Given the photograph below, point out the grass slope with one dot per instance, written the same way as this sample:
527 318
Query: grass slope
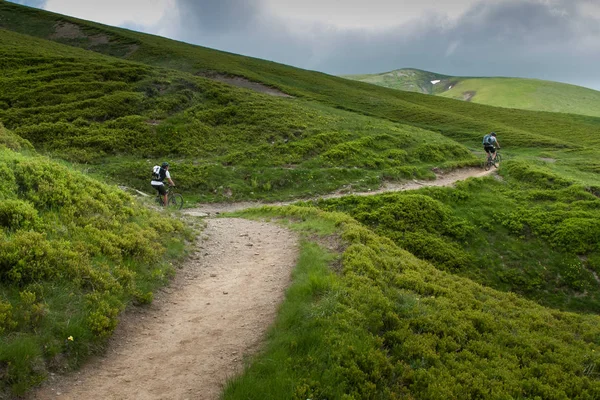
519 93
528 94
73 253
122 117
456 119
382 324
374 322
534 233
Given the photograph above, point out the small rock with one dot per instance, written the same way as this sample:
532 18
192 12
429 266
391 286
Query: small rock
225 292
213 275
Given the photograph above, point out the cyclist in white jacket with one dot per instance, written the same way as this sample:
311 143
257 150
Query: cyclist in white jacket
159 174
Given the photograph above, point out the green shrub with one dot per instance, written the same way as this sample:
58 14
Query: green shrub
420 224
17 214
534 175
27 257
6 319
440 251
429 153
577 235
104 310
12 141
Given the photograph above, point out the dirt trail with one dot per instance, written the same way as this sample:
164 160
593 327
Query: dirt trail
193 337
195 334
442 179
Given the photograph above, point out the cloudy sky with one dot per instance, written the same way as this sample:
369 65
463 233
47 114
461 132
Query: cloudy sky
546 39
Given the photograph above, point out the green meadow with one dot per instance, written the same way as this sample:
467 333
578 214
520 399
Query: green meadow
489 289
517 93
528 94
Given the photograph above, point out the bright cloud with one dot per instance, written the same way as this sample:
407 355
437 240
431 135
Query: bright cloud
372 14
113 12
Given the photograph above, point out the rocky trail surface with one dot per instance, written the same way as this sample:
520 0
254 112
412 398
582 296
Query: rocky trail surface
217 309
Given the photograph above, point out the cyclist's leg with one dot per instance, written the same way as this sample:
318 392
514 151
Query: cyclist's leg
489 151
158 194
162 192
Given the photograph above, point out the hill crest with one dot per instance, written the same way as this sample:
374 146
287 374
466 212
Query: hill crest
507 92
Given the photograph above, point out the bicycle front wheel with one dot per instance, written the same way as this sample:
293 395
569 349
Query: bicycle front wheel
176 201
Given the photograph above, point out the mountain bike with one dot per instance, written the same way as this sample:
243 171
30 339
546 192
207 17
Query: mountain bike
174 200
492 160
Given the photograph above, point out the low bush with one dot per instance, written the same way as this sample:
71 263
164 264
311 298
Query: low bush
420 224
17 214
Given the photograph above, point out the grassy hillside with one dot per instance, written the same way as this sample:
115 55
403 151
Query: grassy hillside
519 93
456 119
374 322
123 117
463 122
379 322
527 94
73 253
533 233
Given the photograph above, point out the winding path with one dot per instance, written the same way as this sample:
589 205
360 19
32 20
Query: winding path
216 311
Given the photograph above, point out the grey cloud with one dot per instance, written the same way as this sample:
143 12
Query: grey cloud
215 17
240 26
526 38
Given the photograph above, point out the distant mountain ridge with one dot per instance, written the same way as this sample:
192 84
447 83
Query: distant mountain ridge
408 79
521 93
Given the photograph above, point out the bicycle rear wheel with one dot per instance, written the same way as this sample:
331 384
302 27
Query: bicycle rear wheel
488 164
176 201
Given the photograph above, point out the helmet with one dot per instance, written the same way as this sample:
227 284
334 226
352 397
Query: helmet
493 134
165 164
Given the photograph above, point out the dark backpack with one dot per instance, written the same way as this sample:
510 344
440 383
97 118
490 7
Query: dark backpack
158 173
488 140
